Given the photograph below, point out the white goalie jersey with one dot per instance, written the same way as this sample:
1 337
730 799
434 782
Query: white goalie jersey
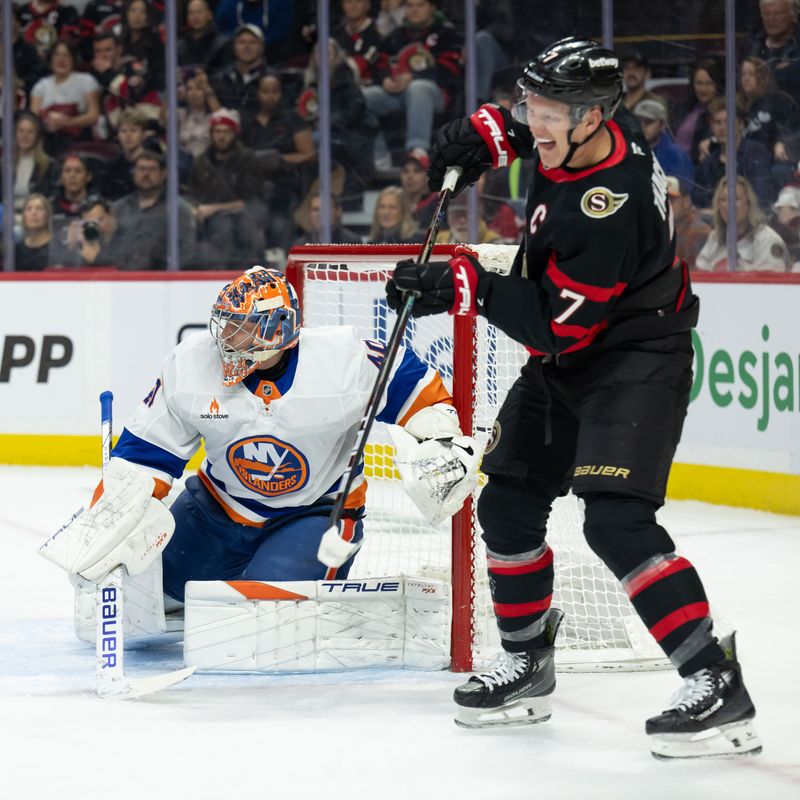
272 446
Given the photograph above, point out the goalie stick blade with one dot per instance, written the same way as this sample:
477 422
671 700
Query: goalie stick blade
140 687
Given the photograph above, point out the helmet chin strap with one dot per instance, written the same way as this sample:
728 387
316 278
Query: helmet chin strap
573 146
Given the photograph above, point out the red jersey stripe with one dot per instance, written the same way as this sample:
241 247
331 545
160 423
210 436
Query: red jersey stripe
685 273
577 331
597 294
522 609
655 573
681 616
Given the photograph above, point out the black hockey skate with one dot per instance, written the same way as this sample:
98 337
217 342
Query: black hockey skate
517 692
709 716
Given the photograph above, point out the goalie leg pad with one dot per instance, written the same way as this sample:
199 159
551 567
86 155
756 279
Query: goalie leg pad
144 622
314 626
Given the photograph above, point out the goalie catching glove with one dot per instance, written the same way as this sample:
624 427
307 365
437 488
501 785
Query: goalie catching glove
458 286
438 465
127 525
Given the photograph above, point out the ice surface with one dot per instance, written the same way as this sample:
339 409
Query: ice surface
372 734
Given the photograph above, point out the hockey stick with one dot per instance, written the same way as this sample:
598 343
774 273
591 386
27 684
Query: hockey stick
333 550
109 636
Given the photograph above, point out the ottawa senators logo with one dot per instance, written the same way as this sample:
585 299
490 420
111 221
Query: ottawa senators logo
601 202
268 466
494 438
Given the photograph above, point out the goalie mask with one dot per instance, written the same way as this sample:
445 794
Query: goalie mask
255 316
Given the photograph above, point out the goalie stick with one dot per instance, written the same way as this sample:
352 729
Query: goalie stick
111 680
333 550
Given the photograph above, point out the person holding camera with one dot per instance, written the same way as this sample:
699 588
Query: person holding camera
90 241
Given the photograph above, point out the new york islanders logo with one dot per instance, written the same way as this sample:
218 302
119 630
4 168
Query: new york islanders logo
601 202
268 466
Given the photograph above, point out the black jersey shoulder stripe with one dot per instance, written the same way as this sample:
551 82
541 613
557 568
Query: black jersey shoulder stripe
617 155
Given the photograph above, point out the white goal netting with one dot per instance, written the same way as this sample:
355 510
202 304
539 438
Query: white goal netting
344 286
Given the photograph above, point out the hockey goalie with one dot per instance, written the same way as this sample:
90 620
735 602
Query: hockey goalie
277 407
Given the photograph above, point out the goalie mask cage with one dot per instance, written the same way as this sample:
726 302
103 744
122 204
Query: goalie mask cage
344 285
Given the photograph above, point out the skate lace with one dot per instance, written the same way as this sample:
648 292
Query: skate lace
695 689
511 668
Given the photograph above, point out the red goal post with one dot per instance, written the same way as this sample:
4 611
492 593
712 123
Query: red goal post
382 259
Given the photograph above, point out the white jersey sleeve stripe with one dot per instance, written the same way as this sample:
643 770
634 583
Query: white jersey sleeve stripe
408 381
429 391
155 460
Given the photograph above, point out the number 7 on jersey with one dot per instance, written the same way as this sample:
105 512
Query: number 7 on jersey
577 302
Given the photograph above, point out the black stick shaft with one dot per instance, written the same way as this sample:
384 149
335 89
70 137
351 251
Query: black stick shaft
365 426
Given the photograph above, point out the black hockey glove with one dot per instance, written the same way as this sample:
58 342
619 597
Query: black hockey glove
458 286
488 139
458 144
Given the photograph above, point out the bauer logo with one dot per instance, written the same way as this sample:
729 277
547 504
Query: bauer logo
109 625
268 466
213 411
601 202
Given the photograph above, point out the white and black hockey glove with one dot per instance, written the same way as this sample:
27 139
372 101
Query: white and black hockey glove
459 286
438 465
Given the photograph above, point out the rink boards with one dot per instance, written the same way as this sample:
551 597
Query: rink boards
64 339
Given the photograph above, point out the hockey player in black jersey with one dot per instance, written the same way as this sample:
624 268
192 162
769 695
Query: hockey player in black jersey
606 312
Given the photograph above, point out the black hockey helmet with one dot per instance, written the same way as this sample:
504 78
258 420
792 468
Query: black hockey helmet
578 72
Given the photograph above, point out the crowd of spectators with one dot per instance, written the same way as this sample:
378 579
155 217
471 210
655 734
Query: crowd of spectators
89 184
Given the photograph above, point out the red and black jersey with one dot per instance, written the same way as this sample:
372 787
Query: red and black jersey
101 16
431 53
44 23
598 255
365 49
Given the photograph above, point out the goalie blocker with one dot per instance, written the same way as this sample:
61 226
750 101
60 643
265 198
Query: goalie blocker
314 626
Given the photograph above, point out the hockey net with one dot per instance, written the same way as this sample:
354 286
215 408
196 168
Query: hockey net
344 285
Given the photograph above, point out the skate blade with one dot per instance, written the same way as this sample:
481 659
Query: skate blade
527 711
736 738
